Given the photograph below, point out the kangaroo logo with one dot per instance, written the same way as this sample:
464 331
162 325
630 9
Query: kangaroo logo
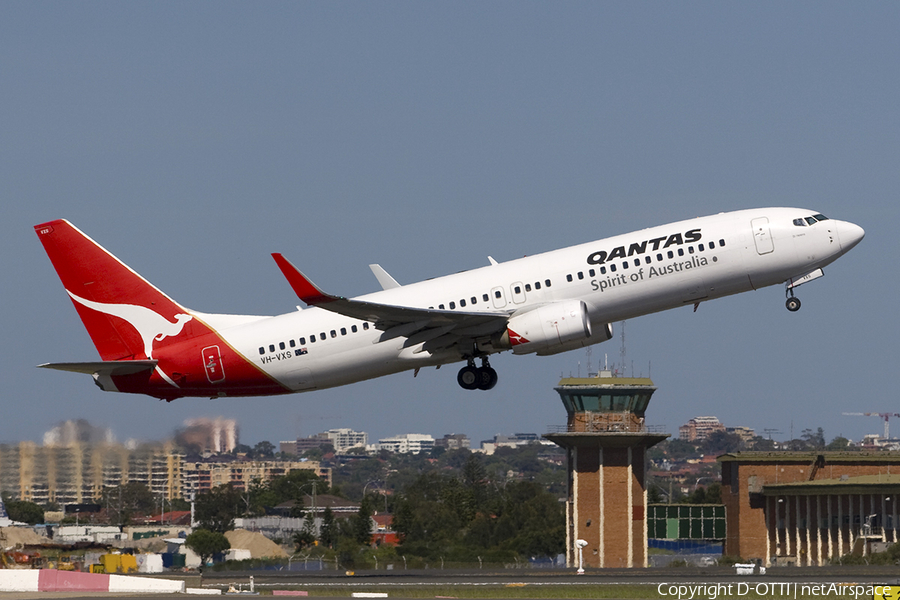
149 324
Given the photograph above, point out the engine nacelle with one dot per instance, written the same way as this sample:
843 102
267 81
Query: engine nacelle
551 329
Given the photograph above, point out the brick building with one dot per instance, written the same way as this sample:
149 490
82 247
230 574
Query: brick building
806 508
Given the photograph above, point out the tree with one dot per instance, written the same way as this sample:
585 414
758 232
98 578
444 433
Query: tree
23 511
306 536
264 449
721 442
814 440
129 500
328 532
362 523
838 443
207 543
217 509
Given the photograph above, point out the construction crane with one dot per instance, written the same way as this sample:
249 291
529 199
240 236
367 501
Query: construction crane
885 416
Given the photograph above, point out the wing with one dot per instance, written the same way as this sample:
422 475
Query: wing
438 328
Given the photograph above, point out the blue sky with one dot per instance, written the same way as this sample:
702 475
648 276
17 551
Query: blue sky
193 139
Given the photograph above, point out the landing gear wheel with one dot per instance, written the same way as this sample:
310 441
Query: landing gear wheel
793 304
469 378
487 378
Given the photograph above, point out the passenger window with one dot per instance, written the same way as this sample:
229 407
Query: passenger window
303 341
721 243
712 245
580 275
462 303
624 264
452 305
701 248
366 325
659 257
527 287
497 294
343 331
353 328
312 339
547 282
648 260
603 270
474 300
281 345
441 306
262 350
292 343
322 336
537 285
637 262
690 249
271 347
612 268
569 278
485 297
670 254
592 273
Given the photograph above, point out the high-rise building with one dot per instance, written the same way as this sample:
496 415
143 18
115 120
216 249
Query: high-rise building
77 473
407 443
699 428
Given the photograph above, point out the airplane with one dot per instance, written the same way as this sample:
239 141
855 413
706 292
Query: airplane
543 304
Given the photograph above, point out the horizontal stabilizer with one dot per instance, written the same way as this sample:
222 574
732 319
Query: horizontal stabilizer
104 368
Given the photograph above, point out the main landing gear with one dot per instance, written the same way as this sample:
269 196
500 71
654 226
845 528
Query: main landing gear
792 303
471 377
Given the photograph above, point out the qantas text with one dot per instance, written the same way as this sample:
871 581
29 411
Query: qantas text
676 239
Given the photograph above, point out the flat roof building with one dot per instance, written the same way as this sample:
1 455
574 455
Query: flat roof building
807 508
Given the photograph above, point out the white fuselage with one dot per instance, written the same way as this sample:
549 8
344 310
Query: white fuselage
617 278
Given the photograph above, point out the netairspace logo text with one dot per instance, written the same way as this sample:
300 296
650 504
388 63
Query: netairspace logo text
778 590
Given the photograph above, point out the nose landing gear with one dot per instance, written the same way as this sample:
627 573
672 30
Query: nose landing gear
792 303
471 377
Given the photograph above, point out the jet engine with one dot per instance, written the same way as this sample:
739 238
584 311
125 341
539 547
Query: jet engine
551 329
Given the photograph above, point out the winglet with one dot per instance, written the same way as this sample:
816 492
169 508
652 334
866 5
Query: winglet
303 287
387 282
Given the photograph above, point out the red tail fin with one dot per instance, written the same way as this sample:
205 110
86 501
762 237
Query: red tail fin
124 314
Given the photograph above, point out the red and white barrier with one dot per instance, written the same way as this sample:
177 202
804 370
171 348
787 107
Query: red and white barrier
51 580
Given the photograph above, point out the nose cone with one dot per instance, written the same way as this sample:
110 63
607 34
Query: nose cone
849 235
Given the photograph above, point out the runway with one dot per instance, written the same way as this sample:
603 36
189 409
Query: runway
514 584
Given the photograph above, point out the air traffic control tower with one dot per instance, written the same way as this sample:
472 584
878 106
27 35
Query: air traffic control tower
606 442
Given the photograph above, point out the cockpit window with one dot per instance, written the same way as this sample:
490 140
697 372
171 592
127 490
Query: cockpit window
811 220
820 217
799 222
